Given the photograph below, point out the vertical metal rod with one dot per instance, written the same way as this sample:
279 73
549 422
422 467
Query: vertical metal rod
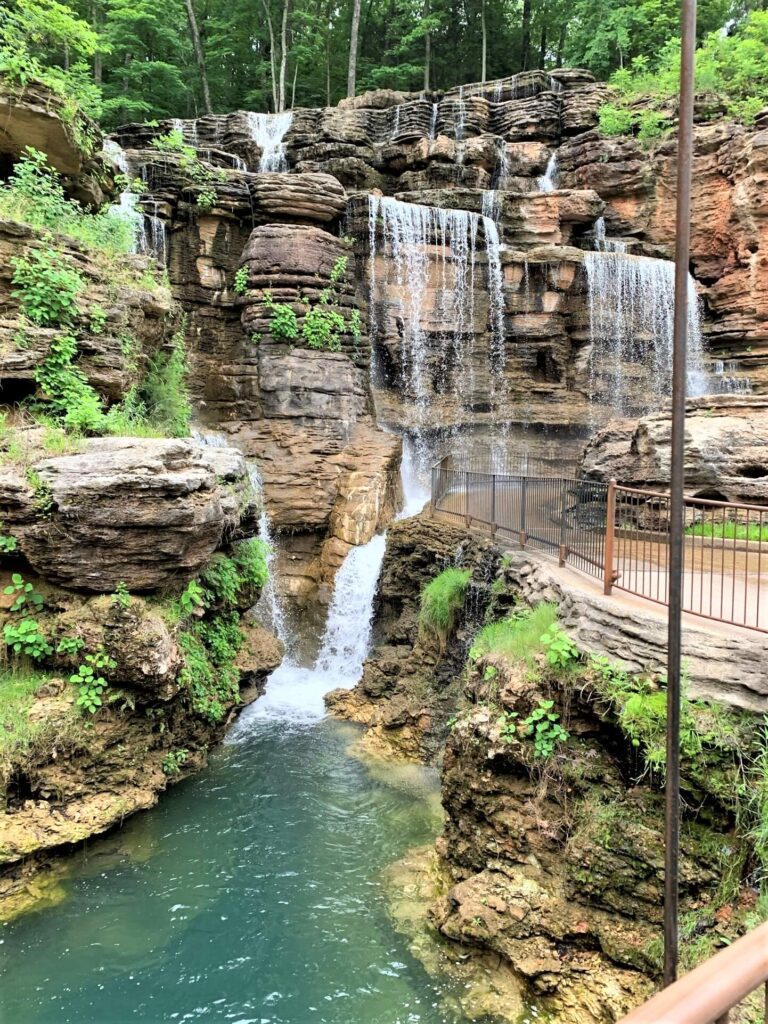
610 527
682 255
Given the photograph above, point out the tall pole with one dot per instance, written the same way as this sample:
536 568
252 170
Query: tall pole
676 537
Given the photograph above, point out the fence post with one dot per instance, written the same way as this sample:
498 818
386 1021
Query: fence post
466 500
523 500
433 492
610 526
493 504
563 554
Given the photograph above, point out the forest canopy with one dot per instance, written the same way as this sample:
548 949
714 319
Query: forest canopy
127 60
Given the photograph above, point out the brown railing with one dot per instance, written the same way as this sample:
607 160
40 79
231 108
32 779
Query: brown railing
709 992
619 534
725 556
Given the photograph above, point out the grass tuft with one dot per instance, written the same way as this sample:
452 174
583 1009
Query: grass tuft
517 638
441 601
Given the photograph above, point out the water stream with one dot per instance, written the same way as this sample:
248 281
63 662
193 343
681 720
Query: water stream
268 132
252 893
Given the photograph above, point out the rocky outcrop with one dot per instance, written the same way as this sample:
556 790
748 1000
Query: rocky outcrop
142 511
726 450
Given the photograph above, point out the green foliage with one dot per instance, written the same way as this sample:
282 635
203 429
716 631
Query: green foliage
561 651
34 194
66 391
283 324
46 290
25 637
208 673
162 398
508 723
43 503
174 760
45 41
206 198
8 544
517 638
251 560
731 66
191 599
543 725
98 317
70 645
20 732
441 601
728 531
90 682
241 281
228 578
172 142
121 597
26 595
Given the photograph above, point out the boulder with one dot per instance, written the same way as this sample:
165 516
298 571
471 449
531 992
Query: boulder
146 512
726 449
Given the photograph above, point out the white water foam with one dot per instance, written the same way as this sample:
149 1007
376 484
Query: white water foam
294 694
547 181
268 131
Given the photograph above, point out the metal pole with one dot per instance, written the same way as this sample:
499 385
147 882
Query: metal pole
682 255
610 529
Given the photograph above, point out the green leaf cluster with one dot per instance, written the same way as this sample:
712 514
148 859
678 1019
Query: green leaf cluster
441 602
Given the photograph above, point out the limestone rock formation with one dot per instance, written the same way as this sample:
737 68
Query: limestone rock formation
726 450
143 511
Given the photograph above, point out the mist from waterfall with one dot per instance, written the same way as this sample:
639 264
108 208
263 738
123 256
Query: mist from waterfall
631 302
268 132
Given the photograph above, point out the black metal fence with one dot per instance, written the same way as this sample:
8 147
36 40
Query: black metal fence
561 515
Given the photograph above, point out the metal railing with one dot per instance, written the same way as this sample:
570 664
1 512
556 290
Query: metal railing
707 994
560 515
618 534
725 554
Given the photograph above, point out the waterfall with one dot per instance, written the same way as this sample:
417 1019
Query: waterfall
268 132
157 243
396 126
491 207
348 628
603 244
434 247
725 380
631 315
546 183
127 206
295 693
433 124
413 480
270 608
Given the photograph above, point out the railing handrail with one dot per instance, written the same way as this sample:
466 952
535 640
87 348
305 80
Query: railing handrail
692 500
707 993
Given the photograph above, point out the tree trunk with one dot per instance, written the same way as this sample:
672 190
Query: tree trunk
293 90
283 54
97 23
427 50
484 30
561 44
526 41
199 56
272 68
352 73
543 47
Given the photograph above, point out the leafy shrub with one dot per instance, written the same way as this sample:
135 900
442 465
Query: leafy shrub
251 559
26 595
210 686
191 599
221 580
162 396
25 637
8 544
614 120
121 597
241 281
562 652
283 324
206 198
441 601
46 290
70 645
543 725
90 683
174 760
34 195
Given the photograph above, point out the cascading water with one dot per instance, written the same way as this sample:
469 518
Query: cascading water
127 206
546 183
268 132
631 315
603 244
726 381
294 693
435 248
433 123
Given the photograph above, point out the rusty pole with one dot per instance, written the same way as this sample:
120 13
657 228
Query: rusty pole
682 255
